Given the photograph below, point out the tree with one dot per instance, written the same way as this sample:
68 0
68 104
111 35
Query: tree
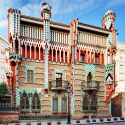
3 89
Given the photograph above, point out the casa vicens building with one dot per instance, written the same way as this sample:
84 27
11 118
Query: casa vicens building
60 68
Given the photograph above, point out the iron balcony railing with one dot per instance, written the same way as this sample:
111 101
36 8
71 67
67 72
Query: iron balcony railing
58 85
7 107
42 117
24 108
90 85
90 108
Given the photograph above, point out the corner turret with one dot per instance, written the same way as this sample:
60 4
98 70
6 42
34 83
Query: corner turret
108 20
46 11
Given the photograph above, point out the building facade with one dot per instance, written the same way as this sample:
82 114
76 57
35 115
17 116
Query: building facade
4 44
118 99
49 60
120 64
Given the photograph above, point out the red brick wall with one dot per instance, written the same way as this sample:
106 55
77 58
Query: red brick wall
9 117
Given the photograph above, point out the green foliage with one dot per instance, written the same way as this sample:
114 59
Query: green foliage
3 89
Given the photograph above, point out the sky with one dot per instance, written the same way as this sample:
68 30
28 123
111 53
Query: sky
63 11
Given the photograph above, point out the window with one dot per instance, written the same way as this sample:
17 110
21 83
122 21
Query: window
109 79
24 101
64 104
121 57
35 102
96 58
86 102
108 59
121 69
82 57
55 104
30 76
94 102
54 53
89 80
16 45
58 79
61 54
90 102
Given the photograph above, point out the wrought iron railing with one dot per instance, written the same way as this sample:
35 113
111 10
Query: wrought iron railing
42 117
7 107
90 108
58 84
89 85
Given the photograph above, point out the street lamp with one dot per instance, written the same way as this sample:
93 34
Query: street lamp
69 116
11 92
9 75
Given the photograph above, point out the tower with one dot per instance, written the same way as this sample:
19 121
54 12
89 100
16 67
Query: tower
108 23
14 30
46 15
108 20
15 50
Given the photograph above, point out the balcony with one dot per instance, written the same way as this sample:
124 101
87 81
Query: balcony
24 109
6 107
90 108
15 56
42 117
9 74
36 110
60 85
90 85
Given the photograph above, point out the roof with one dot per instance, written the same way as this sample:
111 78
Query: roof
40 20
94 28
108 11
32 18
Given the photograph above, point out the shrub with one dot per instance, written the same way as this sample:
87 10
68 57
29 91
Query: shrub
3 89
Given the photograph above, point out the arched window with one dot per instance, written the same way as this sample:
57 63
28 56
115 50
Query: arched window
86 102
82 57
54 55
96 58
109 79
90 102
94 101
35 101
64 104
55 104
16 46
24 101
89 79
